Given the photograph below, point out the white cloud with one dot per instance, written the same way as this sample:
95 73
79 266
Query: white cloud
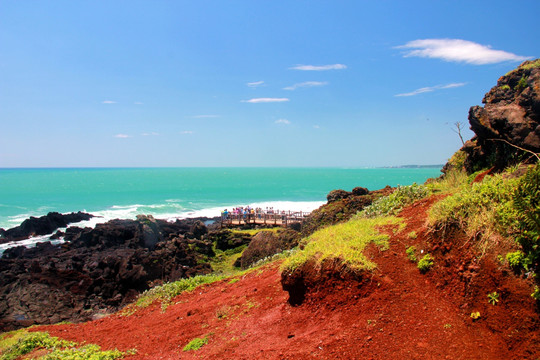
205 116
306 84
319 67
458 50
150 134
108 102
283 121
138 103
265 100
122 136
316 127
255 84
187 132
432 88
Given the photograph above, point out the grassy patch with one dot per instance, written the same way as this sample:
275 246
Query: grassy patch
393 203
343 242
168 291
484 207
195 344
19 343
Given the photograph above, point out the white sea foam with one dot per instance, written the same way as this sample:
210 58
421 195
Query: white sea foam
170 211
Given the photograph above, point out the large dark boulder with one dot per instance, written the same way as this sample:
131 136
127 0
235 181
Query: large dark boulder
267 243
507 127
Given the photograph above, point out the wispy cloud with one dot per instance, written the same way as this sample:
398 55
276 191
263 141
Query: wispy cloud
319 67
205 116
283 121
458 50
138 103
432 88
265 100
255 84
306 84
122 136
187 132
108 102
316 127
150 134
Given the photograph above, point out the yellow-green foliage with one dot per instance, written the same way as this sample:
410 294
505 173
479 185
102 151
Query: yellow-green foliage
196 344
453 180
484 207
344 243
458 159
425 263
16 344
411 253
168 291
393 203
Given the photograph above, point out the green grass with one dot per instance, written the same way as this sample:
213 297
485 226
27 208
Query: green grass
15 344
393 203
168 291
481 208
344 243
195 344
411 253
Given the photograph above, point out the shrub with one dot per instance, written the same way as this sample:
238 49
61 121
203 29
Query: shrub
527 203
411 253
505 87
522 84
425 263
412 235
195 344
515 260
393 203
484 207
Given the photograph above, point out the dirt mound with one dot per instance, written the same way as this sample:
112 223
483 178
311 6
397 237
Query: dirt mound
397 313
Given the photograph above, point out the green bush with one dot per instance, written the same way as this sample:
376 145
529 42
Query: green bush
485 207
425 263
393 203
515 260
505 87
527 203
411 253
522 84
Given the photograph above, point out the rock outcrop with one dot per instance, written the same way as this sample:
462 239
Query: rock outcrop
97 270
507 127
43 225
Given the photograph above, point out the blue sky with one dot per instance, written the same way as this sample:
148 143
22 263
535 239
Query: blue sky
249 83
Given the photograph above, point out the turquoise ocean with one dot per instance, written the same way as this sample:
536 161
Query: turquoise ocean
171 193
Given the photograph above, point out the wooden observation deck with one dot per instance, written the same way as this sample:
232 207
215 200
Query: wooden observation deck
275 218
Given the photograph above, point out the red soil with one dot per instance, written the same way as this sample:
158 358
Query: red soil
398 313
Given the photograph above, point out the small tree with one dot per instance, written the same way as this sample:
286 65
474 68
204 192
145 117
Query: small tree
457 130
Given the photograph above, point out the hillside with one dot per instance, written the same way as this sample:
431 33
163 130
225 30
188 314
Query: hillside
444 270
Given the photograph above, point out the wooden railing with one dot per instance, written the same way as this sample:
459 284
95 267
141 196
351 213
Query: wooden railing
277 218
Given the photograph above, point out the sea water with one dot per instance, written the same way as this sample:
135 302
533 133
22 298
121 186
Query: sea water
176 193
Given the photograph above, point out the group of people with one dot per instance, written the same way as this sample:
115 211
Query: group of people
248 212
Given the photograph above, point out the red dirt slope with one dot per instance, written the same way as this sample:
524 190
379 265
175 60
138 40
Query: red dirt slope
397 314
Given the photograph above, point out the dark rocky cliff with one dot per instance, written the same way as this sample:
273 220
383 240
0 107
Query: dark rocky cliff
507 127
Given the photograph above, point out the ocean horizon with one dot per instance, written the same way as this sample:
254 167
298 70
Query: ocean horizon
175 193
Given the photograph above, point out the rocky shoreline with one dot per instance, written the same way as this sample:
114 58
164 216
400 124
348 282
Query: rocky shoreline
94 271
97 271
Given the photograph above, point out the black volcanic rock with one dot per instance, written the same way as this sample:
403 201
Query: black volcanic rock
507 127
42 225
97 270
